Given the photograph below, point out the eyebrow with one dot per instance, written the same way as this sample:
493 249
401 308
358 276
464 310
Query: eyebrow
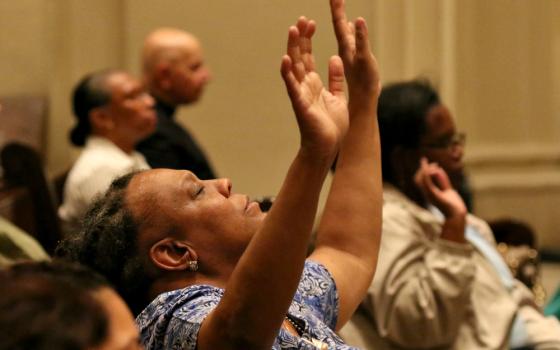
133 89
188 182
188 177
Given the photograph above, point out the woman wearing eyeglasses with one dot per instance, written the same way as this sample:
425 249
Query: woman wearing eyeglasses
440 283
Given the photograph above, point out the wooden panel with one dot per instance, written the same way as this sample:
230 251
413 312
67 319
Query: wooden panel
23 119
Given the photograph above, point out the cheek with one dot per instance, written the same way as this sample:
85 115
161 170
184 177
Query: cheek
437 156
447 161
200 78
142 118
254 223
138 123
183 80
211 217
190 82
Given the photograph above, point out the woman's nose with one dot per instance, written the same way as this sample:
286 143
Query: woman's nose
224 186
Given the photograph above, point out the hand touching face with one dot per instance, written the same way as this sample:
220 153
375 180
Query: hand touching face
434 183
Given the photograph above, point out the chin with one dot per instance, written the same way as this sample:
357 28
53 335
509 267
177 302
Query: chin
257 222
460 169
456 175
455 168
192 98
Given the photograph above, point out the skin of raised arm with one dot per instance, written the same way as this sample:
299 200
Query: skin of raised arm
436 187
350 230
262 285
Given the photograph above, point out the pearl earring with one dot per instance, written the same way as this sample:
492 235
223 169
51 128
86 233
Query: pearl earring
193 265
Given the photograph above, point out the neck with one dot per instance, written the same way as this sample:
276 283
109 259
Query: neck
457 180
217 276
211 272
163 98
127 146
180 280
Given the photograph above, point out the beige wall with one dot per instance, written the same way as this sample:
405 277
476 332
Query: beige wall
497 64
23 41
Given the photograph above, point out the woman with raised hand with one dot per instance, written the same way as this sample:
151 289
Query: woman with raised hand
210 270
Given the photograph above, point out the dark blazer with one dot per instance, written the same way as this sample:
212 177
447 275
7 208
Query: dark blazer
172 146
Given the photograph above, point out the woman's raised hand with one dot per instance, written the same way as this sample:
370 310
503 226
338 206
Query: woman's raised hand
360 65
322 114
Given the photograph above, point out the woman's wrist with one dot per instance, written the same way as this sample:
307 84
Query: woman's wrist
454 228
313 157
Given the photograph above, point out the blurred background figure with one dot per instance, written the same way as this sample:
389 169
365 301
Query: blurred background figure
47 306
15 244
113 113
553 306
440 281
517 244
175 75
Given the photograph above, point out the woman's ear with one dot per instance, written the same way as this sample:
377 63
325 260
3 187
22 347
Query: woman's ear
173 255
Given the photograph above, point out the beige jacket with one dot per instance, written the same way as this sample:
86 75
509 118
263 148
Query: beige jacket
430 293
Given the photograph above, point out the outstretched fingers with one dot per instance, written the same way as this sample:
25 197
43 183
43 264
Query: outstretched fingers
306 29
294 52
361 38
290 80
342 29
336 77
340 23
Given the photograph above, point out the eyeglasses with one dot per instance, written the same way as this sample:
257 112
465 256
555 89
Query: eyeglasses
449 143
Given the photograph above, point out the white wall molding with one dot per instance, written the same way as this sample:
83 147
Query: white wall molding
519 181
495 155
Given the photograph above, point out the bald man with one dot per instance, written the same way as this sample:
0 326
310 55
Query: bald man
175 75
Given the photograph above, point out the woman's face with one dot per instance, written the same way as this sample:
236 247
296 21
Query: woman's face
441 143
215 221
131 107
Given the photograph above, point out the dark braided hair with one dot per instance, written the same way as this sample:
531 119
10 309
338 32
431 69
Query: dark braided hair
108 244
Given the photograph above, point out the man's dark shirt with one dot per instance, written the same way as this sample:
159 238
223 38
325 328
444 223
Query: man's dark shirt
171 146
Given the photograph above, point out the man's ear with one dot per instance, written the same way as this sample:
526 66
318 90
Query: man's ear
100 120
163 76
172 255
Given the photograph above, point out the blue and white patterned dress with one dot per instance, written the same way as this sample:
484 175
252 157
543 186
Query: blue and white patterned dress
173 319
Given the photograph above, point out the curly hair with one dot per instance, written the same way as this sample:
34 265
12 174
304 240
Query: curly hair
50 305
108 244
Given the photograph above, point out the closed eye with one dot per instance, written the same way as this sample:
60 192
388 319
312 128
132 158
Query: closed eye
199 191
